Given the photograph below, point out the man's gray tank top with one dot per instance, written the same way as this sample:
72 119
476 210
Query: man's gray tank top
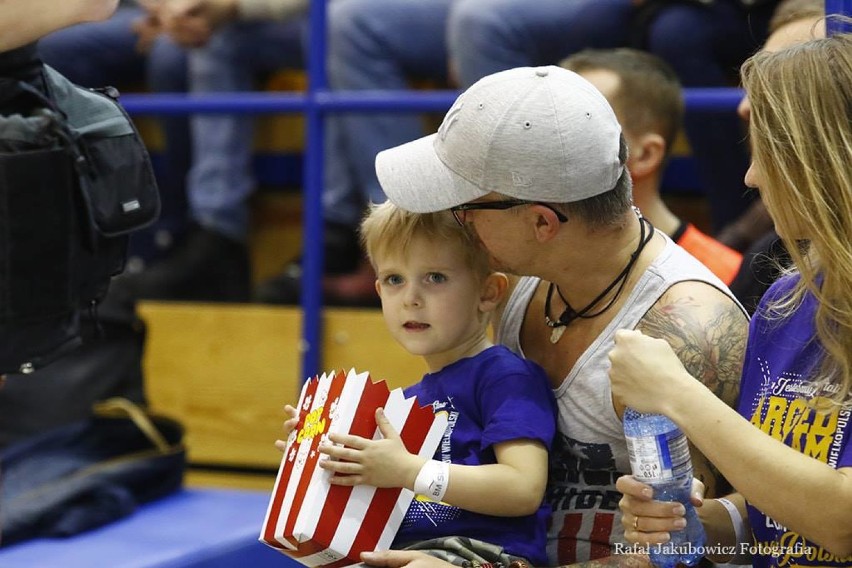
589 452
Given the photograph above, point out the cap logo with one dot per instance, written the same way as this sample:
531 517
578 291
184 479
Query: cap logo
450 119
520 181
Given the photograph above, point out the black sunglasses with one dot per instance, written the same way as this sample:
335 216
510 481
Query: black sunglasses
459 210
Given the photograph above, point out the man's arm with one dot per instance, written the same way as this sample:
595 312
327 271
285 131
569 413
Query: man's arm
708 332
24 21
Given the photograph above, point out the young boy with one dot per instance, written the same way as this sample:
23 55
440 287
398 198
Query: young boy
487 481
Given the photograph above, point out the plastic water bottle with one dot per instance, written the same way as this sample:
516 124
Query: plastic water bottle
659 456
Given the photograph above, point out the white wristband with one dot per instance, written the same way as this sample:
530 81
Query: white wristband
740 557
432 480
736 519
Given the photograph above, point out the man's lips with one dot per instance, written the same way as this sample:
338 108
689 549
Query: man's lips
415 326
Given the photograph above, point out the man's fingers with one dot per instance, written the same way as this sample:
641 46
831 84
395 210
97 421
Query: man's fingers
182 8
656 509
190 34
628 485
697 496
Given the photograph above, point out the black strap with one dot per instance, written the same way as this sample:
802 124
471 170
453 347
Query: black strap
20 66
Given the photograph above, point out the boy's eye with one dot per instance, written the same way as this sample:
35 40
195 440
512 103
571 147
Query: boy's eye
436 277
393 280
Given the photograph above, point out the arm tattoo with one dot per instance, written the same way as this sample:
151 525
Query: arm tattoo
711 348
710 342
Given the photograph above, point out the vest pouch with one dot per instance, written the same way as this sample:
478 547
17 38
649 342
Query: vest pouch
38 319
116 178
122 196
75 180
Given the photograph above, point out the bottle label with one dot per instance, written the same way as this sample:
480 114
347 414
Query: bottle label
659 458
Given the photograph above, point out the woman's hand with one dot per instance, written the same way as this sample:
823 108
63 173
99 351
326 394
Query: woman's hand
644 371
647 521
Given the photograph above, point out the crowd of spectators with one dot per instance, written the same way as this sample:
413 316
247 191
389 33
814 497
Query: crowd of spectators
203 46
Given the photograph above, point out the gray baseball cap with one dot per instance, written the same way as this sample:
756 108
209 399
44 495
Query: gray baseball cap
533 133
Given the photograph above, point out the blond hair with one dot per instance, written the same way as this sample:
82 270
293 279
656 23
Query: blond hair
801 130
388 230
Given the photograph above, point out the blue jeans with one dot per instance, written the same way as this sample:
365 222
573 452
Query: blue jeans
221 178
487 36
104 53
375 44
705 46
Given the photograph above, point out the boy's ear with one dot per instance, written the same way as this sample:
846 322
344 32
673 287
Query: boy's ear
493 291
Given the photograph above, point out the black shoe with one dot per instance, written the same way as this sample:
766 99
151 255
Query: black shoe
285 288
342 255
206 267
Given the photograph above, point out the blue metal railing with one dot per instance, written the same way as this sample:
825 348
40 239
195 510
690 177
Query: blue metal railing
315 103
833 26
721 99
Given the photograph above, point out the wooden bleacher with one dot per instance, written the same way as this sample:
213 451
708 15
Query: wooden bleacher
226 371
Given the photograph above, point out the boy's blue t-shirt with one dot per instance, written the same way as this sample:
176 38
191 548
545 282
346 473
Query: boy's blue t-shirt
490 398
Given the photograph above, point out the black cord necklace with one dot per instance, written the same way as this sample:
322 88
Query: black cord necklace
569 314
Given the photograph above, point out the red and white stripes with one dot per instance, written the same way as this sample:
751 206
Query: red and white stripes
320 524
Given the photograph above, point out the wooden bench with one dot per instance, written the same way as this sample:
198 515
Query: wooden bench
226 372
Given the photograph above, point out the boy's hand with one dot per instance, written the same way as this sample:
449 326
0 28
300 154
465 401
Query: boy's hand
380 463
288 426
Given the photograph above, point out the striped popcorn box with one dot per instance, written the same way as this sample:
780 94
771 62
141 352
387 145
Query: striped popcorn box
320 524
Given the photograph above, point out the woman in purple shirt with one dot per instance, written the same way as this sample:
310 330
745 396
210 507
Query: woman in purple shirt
787 452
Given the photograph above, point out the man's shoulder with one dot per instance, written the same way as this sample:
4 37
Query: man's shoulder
695 305
707 329
700 292
690 301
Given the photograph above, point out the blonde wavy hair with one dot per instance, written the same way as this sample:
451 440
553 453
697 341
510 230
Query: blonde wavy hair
387 231
801 132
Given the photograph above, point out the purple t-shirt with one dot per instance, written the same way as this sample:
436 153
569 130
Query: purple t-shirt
781 357
490 398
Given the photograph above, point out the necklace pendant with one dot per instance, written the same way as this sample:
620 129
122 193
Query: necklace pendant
556 334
